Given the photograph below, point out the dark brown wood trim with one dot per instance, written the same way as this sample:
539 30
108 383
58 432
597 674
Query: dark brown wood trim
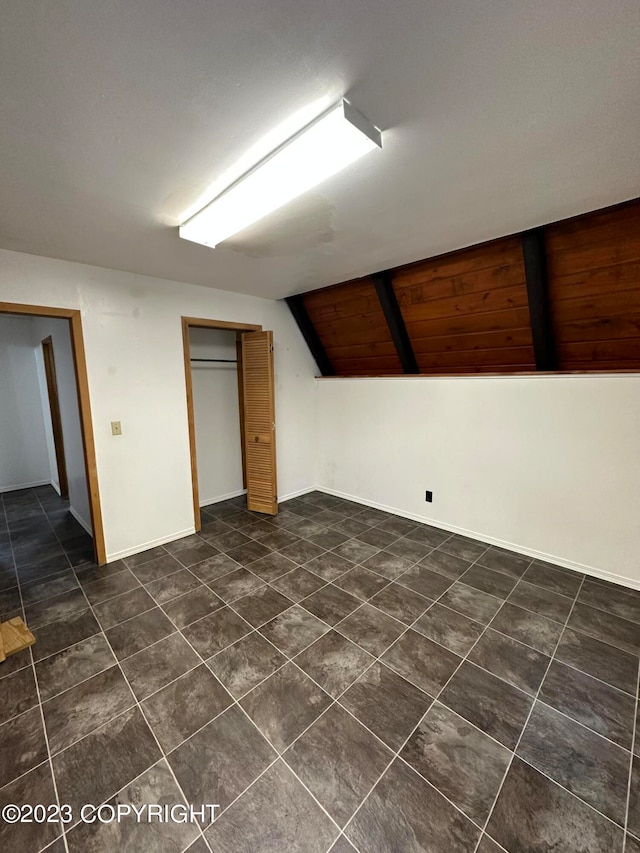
393 315
535 268
88 441
37 310
186 349
77 344
56 419
203 323
300 315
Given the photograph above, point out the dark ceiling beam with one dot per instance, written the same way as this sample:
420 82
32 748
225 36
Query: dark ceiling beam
391 309
535 268
300 315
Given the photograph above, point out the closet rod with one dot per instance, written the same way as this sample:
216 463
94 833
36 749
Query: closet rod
225 360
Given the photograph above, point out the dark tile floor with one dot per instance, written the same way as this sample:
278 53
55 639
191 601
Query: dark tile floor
335 678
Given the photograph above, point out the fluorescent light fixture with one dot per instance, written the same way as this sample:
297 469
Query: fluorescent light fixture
325 146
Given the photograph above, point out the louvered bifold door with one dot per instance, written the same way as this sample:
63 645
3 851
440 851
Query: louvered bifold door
259 421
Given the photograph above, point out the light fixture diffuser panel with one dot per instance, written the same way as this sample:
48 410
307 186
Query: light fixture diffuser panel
321 149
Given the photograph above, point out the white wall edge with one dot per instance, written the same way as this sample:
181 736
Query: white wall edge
221 498
81 521
291 495
144 546
491 540
24 486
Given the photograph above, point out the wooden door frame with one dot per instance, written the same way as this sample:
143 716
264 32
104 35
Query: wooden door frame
86 424
204 323
49 358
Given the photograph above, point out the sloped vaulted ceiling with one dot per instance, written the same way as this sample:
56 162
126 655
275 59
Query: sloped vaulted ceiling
563 297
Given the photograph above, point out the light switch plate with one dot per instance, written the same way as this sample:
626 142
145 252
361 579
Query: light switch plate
116 428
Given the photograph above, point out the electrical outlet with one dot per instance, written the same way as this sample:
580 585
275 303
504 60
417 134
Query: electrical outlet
428 496
116 428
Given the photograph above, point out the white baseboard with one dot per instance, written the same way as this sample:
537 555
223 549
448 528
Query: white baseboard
281 499
81 521
219 498
291 495
25 486
622 580
144 546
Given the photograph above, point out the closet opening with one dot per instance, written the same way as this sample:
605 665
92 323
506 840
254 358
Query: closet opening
229 380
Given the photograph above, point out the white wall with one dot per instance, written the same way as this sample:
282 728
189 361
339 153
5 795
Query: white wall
24 460
59 331
133 342
217 415
545 465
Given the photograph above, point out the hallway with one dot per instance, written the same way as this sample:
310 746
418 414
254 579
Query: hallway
39 538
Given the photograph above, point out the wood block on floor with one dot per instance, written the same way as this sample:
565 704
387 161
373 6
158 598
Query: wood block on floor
14 637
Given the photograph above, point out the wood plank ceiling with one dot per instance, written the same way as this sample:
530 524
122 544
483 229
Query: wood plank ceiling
564 297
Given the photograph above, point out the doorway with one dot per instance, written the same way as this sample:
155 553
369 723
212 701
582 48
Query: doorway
84 429
253 447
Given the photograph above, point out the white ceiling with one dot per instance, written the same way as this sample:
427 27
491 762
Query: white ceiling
498 115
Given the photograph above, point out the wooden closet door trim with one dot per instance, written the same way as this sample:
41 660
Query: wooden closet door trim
259 417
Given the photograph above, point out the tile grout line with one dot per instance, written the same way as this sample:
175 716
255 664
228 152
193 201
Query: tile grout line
26 772
521 758
608 612
332 583
526 723
66 648
162 752
157 604
459 579
631 759
278 754
410 626
335 627
396 754
236 702
584 726
111 666
45 733
379 551
486 627
560 569
288 659
336 701
534 648
153 734
414 729
389 581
